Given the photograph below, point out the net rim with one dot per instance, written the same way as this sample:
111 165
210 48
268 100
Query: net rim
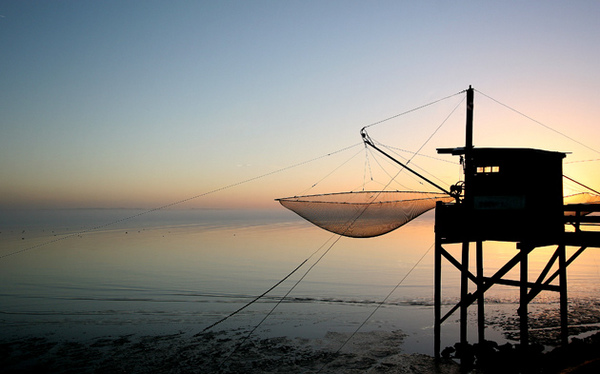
305 198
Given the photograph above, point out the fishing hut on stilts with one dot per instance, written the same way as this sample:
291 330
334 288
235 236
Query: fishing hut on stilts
508 195
512 195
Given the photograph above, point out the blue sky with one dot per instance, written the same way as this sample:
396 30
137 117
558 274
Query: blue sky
143 103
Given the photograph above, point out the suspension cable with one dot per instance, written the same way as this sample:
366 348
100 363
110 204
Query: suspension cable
95 228
379 305
367 166
339 236
540 123
386 172
255 299
424 171
581 184
421 155
284 296
579 161
414 266
414 109
331 172
367 139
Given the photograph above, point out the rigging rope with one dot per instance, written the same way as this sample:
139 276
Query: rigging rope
255 299
386 172
427 156
284 296
433 134
333 171
540 123
95 228
339 236
367 165
414 109
270 289
339 212
440 126
415 166
581 184
379 305
578 161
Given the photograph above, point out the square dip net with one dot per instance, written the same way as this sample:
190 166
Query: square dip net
363 214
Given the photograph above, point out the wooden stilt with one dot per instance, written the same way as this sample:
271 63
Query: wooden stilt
480 298
562 268
464 292
437 298
496 201
524 332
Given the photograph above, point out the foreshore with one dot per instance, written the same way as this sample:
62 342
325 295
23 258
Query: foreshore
220 352
224 352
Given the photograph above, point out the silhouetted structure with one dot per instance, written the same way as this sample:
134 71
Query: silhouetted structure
508 195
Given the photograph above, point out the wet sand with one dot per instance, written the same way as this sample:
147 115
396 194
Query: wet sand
228 351
373 352
218 352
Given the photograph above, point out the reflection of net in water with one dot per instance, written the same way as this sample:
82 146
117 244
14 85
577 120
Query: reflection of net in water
363 214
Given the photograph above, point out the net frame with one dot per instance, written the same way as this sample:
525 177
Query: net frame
363 214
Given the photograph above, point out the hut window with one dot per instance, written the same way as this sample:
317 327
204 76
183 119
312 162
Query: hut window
488 169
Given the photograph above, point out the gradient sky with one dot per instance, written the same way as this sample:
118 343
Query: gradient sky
144 103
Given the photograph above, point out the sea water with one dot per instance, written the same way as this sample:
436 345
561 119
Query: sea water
85 273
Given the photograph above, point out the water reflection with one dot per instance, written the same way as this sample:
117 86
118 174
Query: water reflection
184 270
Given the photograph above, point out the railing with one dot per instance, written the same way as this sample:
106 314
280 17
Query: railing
580 215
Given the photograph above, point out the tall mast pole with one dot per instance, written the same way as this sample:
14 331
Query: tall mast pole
468 166
469 138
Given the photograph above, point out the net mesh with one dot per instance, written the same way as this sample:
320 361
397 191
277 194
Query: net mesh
363 214
582 198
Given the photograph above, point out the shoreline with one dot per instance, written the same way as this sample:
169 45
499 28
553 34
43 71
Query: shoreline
230 351
220 352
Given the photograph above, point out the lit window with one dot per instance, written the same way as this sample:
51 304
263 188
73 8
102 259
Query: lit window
488 169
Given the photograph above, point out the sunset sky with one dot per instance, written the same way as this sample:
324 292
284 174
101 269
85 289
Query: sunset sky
146 103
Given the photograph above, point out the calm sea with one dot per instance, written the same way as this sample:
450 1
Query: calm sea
77 274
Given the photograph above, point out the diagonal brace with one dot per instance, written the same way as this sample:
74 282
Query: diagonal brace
499 274
457 264
536 290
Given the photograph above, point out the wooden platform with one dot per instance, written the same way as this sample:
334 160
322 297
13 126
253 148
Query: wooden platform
580 227
582 217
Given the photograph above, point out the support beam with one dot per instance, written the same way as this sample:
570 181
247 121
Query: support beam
547 268
464 292
458 265
535 291
517 283
528 289
437 297
500 273
564 318
494 279
523 311
480 298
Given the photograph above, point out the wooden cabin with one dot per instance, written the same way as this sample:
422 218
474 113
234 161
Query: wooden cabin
510 194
